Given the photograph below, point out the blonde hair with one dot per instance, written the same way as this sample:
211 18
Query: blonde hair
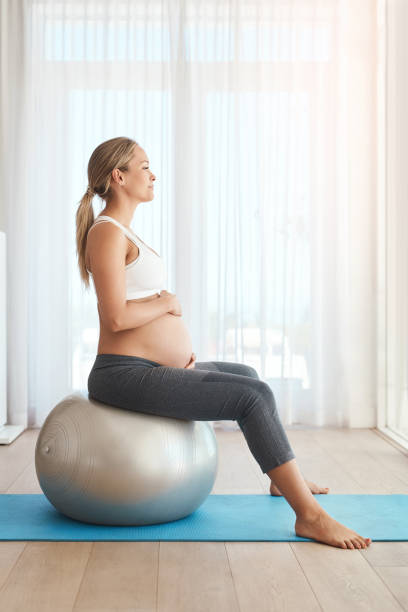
111 154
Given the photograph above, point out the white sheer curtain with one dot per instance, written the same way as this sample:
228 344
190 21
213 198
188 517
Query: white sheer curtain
394 306
259 119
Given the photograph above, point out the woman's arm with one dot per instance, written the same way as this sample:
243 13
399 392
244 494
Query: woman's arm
136 314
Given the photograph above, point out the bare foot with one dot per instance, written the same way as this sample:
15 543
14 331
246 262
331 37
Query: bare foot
312 486
326 529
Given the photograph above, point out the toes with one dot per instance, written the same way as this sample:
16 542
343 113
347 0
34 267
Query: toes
349 543
315 488
356 543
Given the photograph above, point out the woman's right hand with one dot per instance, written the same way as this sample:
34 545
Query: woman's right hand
174 304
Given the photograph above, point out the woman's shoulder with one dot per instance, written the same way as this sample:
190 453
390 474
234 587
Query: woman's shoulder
105 234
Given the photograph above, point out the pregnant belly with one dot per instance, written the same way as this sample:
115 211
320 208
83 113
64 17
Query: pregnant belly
165 340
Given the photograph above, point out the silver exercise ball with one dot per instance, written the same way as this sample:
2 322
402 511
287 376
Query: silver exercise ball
105 465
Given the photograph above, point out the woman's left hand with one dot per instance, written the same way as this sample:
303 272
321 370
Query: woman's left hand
190 364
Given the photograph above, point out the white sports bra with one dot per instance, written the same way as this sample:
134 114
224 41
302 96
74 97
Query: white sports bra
146 275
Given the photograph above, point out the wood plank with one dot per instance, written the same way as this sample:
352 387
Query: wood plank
195 576
391 457
342 579
120 576
267 576
369 472
236 466
46 577
396 579
15 457
385 554
26 482
9 554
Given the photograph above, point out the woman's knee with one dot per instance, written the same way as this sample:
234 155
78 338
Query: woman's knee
262 395
246 370
252 372
266 392
259 399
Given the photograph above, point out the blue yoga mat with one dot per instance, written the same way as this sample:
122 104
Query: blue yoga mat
244 518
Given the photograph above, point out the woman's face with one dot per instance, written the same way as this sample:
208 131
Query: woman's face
139 178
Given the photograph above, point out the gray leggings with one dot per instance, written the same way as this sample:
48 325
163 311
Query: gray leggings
211 391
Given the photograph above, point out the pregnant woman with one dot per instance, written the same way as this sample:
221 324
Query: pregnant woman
145 361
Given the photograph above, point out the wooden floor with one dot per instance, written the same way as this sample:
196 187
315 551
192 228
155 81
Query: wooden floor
219 576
